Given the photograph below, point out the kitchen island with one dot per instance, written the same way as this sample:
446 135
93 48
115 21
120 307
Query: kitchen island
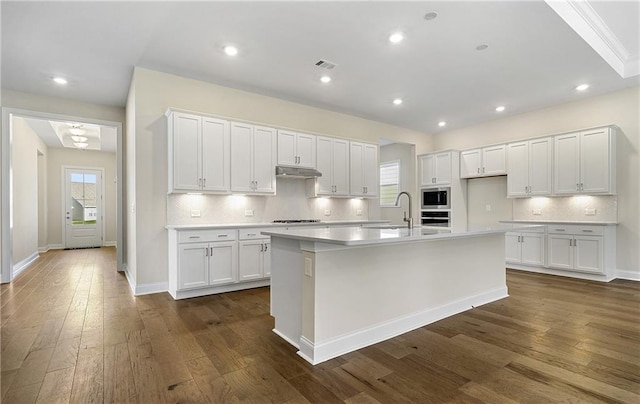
336 290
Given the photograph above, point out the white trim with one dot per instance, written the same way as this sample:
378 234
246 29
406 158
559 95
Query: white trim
211 290
628 275
315 353
22 265
284 337
110 244
130 280
149 288
561 272
49 247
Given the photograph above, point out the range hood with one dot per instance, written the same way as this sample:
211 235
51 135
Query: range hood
297 172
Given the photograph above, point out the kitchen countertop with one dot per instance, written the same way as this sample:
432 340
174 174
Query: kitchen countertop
601 223
270 224
357 236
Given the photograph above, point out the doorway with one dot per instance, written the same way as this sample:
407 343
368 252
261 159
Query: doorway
83 207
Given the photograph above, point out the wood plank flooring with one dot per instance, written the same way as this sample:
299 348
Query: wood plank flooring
73 332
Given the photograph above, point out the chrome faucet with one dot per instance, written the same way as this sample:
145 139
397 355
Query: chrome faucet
409 219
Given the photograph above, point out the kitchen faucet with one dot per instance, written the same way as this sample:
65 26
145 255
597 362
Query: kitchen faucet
409 219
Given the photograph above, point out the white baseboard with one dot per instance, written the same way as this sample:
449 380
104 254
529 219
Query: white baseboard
186 294
628 275
49 247
21 265
560 272
289 340
149 288
109 244
130 280
315 353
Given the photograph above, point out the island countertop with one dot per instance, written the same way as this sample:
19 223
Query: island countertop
359 236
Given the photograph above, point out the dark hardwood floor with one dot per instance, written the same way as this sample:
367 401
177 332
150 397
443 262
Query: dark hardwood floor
73 332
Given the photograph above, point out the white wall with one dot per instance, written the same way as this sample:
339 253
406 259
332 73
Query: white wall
25 147
155 92
491 192
620 108
86 159
405 153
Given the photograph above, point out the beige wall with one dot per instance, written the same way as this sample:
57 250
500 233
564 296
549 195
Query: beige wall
25 148
85 159
405 153
155 92
620 108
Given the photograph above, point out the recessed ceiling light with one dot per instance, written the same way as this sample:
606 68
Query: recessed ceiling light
396 37
397 101
441 123
500 108
325 79
230 50
60 80
79 139
430 16
582 87
482 47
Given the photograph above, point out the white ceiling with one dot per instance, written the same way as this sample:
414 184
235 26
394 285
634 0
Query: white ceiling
534 59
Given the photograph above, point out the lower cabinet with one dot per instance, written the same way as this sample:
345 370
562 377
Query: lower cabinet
254 261
525 248
576 252
204 264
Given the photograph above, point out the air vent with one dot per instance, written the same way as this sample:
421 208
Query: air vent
325 64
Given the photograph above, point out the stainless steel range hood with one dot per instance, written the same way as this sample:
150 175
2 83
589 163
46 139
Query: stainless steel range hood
297 172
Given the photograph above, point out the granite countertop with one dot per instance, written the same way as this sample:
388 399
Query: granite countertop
357 236
270 224
599 223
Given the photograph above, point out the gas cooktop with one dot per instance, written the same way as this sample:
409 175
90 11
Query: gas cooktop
296 221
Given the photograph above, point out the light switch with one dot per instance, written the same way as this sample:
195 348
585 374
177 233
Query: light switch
590 211
327 212
487 207
308 264
536 212
248 212
358 212
195 213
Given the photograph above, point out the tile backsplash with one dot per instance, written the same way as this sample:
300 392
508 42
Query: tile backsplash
290 202
570 208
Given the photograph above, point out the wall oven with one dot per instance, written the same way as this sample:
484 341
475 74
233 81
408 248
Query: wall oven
438 218
436 198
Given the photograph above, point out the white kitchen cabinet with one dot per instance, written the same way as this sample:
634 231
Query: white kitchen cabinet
584 162
333 163
296 149
254 255
529 168
199 153
526 248
576 248
253 159
363 161
435 169
194 264
485 162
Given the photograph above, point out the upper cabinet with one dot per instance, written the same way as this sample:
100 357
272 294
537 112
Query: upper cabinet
363 160
199 153
296 149
584 162
529 168
435 169
484 162
333 163
253 159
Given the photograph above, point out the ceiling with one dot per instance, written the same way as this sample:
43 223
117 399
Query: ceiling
535 56
58 134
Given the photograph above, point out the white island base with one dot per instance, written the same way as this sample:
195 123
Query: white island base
329 299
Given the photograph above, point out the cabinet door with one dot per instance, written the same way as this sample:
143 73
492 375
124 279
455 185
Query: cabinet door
187 155
589 254
306 150
266 259
223 264
371 170
356 176
193 270
340 167
427 170
540 155
560 251
512 247
532 247
216 148
518 169
264 159
470 163
241 157
566 174
594 161
494 160
287 148
325 165
250 259
443 168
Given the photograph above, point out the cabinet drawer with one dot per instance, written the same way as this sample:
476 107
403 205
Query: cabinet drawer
198 236
576 230
251 234
540 229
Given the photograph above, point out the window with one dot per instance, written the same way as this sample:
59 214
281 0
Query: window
389 182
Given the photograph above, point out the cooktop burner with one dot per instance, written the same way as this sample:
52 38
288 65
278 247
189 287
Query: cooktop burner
296 221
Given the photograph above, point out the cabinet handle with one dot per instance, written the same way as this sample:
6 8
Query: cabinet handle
251 234
204 183
261 247
223 235
199 182
581 186
194 236
211 255
482 170
433 180
266 246
578 186
478 170
587 231
206 252
559 229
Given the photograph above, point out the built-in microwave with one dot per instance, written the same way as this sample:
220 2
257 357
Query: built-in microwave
436 198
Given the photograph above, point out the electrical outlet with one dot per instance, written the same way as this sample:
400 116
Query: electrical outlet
308 264
590 211
327 212
358 212
195 213
248 212
487 207
536 212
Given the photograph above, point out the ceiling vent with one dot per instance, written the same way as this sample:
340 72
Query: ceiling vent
325 64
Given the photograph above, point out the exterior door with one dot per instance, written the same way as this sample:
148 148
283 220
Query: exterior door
83 208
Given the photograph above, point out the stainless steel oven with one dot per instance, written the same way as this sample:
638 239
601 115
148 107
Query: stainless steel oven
439 218
436 198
